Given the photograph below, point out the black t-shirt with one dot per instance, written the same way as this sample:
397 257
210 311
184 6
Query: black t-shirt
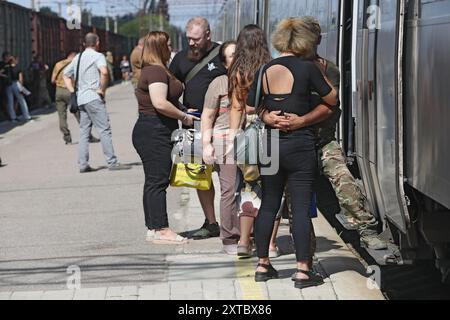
195 91
11 73
14 73
307 79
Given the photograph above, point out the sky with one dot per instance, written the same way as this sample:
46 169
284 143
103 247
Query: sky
97 7
179 10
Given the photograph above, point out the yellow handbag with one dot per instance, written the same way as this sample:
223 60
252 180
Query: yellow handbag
197 176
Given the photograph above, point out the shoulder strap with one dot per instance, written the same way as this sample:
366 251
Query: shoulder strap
78 72
202 64
267 83
61 70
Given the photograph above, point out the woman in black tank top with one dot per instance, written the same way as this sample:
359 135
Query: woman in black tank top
288 86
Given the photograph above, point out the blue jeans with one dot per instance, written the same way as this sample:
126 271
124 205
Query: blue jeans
11 92
94 113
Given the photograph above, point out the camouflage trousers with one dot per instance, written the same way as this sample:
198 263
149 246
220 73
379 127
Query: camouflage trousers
347 191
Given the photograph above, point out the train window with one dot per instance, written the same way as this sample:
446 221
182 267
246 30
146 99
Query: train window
388 11
435 8
247 11
322 14
334 15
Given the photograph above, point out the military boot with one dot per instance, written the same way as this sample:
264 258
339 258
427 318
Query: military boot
370 239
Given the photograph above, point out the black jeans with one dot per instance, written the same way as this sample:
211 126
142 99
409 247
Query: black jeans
298 166
151 139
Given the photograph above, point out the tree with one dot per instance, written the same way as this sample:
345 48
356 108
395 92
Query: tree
48 11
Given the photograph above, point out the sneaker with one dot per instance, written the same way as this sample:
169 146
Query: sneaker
370 239
86 170
245 251
230 249
207 231
119 166
68 140
15 120
93 139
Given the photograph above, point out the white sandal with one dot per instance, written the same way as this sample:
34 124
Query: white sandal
158 239
150 236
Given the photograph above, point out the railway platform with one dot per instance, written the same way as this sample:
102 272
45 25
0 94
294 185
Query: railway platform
67 236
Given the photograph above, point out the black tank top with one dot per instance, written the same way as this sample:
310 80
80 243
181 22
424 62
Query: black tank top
307 79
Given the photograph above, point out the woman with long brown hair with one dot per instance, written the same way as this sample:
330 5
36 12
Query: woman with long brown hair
251 53
157 94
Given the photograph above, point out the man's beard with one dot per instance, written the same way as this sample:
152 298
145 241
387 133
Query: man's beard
197 54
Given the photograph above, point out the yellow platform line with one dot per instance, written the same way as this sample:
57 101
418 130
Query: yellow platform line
251 290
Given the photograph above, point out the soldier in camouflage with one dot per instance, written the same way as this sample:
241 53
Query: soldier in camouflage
334 164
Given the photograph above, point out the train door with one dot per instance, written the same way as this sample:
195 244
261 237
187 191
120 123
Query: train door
372 21
388 90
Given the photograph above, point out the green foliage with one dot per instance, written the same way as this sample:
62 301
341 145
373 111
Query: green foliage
48 11
140 26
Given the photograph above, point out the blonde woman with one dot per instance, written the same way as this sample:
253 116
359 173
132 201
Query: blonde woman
157 94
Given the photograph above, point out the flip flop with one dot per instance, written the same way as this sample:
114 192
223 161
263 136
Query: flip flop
158 239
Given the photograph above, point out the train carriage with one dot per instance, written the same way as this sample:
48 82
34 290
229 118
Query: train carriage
394 60
25 33
15 31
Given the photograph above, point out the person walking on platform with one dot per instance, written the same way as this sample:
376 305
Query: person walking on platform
125 68
14 80
110 62
62 98
135 59
157 94
292 72
92 83
39 72
197 67
215 126
333 161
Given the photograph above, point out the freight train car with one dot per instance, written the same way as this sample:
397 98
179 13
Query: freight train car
394 61
26 34
47 37
15 31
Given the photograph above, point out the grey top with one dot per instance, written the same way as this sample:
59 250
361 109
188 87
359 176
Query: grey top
89 78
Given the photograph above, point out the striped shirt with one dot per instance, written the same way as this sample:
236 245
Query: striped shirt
89 78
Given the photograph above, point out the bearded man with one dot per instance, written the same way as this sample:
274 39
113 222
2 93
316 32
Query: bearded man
197 67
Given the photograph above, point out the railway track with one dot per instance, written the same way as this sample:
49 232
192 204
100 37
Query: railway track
420 281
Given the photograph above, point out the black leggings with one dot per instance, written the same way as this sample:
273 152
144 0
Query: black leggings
298 165
151 139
